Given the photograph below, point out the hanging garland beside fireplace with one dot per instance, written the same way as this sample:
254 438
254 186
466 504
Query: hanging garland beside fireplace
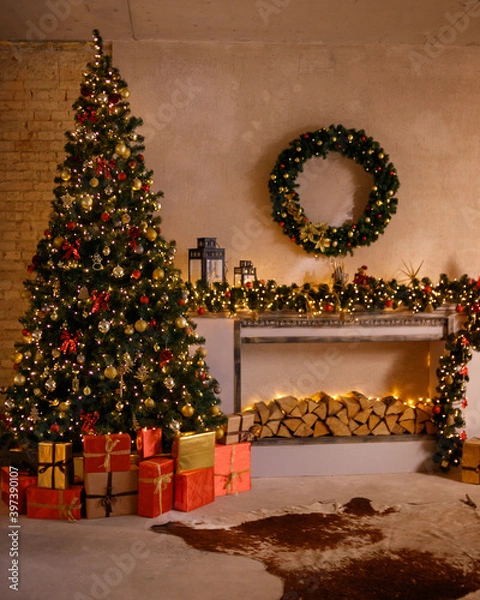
321 238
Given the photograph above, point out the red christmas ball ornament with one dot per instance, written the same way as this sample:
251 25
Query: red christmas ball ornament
152 322
145 187
306 136
388 303
464 403
136 274
463 370
71 225
181 302
144 299
85 91
459 309
476 308
105 217
248 285
282 223
427 289
132 163
25 332
463 436
141 157
54 427
201 310
227 294
121 176
48 233
166 356
328 307
114 98
437 410
282 166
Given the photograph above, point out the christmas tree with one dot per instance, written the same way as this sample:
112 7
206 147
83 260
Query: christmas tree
107 344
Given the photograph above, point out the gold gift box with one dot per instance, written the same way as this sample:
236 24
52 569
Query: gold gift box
471 461
194 451
55 465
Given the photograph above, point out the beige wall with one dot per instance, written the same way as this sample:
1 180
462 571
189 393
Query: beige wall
216 117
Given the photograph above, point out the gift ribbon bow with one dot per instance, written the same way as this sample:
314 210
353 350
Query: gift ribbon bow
54 464
160 483
103 167
107 499
89 420
133 234
100 301
65 511
69 342
232 475
89 114
71 249
109 450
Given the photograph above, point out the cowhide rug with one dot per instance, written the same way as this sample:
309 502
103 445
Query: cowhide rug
354 551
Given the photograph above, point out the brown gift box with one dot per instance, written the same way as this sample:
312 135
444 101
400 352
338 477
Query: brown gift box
471 461
111 494
238 428
194 451
55 465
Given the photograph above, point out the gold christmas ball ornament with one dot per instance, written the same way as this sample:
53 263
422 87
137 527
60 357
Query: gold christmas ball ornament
17 358
181 322
87 391
58 241
129 330
64 406
187 410
158 274
214 410
110 372
56 353
127 153
202 351
65 174
86 202
136 184
19 379
149 402
94 182
219 433
151 234
125 93
141 325
119 406
120 148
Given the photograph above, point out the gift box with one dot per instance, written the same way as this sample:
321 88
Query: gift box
104 453
193 489
232 468
155 487
238 428
149 442
15 484
24 459
78 470
63 505
55 465
193 451
111 494
471 461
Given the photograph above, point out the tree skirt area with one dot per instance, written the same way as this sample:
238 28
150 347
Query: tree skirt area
357 550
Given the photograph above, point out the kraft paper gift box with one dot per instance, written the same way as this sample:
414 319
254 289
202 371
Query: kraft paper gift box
471 461
64 505
149 442
104 453
193 489
232 468
112 494
155 487
24 460
20 482
55 465
194 451
238 428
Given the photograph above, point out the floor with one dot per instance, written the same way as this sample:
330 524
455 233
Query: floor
120 558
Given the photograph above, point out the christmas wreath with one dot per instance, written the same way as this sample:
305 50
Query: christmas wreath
320 238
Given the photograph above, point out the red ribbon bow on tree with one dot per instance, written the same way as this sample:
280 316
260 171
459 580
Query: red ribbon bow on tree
133 234
89 421
71 250
103 167
89 114
69 342
100 301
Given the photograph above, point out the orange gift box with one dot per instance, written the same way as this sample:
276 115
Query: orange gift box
193 489
155 487
105 453
46 503
232 468
149 442
16 484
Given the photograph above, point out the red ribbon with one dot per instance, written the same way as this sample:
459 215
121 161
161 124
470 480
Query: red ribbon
104 166
69 342
89 114
100 301
89 421
133 234
71 250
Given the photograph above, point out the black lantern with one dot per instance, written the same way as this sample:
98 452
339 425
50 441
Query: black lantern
245 273
206 262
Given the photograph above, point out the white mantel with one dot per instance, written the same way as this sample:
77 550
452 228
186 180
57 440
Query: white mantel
229 340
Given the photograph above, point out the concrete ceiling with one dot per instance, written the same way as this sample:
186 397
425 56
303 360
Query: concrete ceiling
296 21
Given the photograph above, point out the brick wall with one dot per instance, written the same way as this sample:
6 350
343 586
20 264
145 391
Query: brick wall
38 84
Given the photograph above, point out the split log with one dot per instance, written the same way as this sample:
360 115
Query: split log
284 432
263 411
334 406
362 416
362 430
352 405
273 425
320 429
397 430
366 403
373 421
408 426
321 410
408 414
292 424
391 421
395 408
303 431
419 427
265 432
343 416
310 419
286 404
422 416
430 428
379 408
275 412
312 405
381 429
337 427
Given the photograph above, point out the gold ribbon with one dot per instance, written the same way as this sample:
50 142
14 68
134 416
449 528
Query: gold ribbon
232 475
109 450
160 482
65 511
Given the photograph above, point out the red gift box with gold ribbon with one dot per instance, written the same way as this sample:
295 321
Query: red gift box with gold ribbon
193 489
105 453
16 484
149 442
232 468
155 487
46 503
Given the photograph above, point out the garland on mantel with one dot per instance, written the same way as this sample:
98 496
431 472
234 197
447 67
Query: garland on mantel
375 295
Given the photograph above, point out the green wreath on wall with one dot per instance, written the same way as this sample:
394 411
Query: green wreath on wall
320 238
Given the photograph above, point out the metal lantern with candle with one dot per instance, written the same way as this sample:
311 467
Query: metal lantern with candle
206 262
244 273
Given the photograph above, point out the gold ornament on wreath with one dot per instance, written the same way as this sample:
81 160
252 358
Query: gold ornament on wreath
321 238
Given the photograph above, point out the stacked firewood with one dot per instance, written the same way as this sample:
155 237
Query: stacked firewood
351 415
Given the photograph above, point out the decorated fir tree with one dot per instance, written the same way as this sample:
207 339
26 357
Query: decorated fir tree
107 345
